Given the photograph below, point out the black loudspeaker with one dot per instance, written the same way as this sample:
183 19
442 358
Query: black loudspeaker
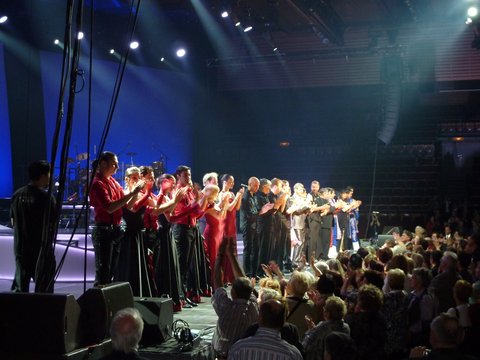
382 239
98 307
38 323
157 315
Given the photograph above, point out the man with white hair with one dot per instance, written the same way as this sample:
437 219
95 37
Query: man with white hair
126 332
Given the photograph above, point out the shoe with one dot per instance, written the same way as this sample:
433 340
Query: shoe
207 293
177 307
197 299
190 302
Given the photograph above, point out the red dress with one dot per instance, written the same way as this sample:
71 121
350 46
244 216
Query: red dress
230 231
212 235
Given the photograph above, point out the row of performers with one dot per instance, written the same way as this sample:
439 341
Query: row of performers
162 252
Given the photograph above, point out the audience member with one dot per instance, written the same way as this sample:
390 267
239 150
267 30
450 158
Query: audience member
266 343
126 332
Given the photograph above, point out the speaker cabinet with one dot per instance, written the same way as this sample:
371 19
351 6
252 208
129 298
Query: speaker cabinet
98 307
38 323
157 314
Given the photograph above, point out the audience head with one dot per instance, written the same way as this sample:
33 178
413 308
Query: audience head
448 262
126 330
269 283
370 299
325 285
376 265
396 279
398 262
339 346
241 288
462 291
265 294
385 255
421 278
355 262
473 244
373 277
298 284
272 314
445 332
335 308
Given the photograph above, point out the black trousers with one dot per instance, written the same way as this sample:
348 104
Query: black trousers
250 251
184 237
314 244
325 238
106 243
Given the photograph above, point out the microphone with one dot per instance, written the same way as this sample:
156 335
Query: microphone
245 186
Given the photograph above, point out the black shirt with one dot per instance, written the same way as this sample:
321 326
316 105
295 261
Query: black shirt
248 211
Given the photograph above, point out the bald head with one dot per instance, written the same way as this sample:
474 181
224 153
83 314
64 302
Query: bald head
253 184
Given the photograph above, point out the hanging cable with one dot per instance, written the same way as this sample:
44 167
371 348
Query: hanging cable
46 255
118 82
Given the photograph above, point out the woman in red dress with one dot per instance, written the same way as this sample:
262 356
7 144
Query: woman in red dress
213 232
233 201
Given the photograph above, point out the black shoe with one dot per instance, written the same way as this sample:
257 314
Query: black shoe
190 302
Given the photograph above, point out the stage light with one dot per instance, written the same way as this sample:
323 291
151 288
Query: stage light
472 11
224 14
134 45
275 49
112 51
468 21
458 138
162 59
56 41
3 19
248 28
80 35
181 52
238 23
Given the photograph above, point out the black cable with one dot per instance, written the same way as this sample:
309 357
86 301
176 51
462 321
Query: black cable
118 83
66 141
41 273
374 177
89 127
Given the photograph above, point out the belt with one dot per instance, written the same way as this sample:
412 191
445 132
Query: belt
107 226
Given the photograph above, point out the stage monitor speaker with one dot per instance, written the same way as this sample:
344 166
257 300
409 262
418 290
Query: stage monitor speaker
388 230
38 323
157 314
98 307
382 239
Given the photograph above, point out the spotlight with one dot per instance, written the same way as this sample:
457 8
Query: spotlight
56 41
3 19
112 51
134 45
181 52
275 49
80 35
238 23
162 59
224 14
248 28
468 21
472 11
